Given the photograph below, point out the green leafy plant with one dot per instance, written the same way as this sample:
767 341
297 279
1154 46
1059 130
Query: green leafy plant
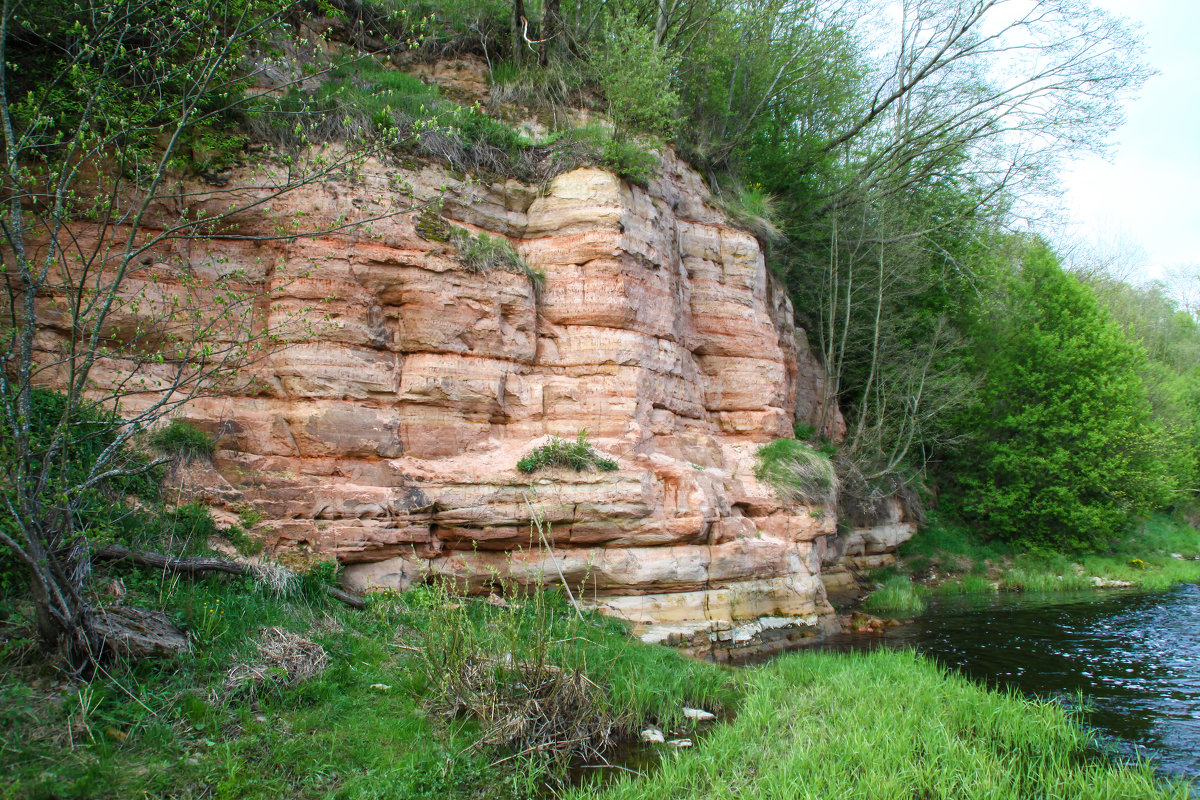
1071 449
578 455
481 252
634 73
183 440
797 472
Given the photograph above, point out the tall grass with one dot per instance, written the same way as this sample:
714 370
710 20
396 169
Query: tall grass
898 596
424 695
881 726
797 472
1158 553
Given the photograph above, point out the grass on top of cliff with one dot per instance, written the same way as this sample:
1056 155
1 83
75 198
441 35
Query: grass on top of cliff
419 696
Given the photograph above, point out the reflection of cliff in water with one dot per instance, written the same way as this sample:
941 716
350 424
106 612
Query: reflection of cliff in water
1134 658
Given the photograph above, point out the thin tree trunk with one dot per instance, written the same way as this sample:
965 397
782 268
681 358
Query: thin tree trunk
518 31
552 29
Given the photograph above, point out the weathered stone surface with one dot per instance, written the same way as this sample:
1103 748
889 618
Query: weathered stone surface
846 557
386 432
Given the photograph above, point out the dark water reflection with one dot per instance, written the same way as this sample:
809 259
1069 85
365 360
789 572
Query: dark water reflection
1134 657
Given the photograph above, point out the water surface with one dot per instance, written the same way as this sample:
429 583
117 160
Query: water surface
1134 657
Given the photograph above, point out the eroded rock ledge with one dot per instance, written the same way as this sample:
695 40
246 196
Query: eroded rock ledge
387 433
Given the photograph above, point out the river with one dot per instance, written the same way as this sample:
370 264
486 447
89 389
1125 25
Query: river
1135 658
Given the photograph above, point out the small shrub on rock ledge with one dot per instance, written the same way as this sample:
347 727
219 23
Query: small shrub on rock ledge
797 472
578 455
483 253
183 441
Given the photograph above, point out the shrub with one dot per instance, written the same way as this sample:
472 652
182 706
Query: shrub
577 455
481 252
1071 450
594 144
183 441
90 430
635 75
797 472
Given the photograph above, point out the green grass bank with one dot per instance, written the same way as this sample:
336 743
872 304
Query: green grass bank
422 695
886 725
946 558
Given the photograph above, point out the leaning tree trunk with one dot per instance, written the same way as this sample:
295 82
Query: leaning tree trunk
58 575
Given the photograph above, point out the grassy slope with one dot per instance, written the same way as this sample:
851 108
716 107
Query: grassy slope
169 729
886 725
882 725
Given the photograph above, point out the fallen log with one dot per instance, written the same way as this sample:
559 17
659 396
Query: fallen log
199 565
136 632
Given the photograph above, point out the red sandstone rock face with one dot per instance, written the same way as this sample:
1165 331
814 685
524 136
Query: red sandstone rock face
387 433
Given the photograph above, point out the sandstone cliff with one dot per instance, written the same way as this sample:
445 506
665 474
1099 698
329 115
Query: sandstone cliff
386 433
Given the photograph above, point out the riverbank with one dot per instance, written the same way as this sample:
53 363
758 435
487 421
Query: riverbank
427 696
886 724
947 559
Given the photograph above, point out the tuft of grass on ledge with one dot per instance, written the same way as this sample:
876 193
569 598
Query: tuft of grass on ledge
885 725
183 440
898 597
481 252
798 472
578 455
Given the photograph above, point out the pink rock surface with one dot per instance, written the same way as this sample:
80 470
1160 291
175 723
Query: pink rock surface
387 432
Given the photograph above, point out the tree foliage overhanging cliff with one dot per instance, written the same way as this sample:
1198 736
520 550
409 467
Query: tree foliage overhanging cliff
880 155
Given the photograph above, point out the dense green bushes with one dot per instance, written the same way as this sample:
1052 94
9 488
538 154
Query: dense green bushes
1066 449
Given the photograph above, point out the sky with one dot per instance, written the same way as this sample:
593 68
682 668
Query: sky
1147 196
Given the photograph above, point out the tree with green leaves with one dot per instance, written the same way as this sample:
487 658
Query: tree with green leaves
1066 449
118 120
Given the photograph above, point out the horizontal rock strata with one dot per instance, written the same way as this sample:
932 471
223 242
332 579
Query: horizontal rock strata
386 432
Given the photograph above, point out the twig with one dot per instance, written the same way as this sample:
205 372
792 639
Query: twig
612 766
536 520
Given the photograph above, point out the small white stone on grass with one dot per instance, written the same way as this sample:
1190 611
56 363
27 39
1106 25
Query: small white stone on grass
680 743
698 714
653 735
383 687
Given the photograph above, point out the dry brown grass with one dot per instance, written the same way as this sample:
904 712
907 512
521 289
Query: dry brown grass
532 709
283 658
